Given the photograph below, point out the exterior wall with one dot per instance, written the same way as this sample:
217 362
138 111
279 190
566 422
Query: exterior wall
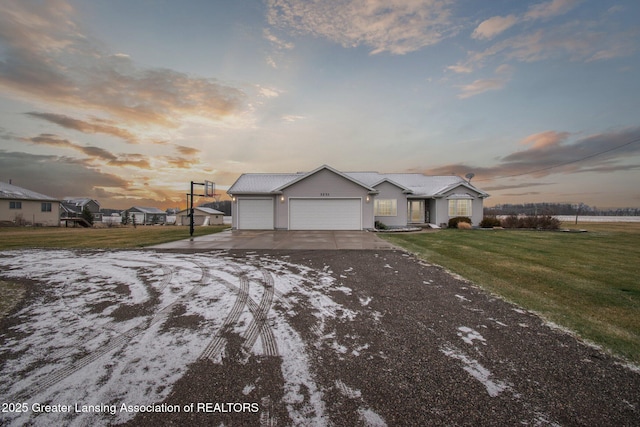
324 184
93 207
31 212
390 191
182 218
477 206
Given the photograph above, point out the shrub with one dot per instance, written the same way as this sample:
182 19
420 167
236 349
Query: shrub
489 222
536 222
380 226
464 225
453 222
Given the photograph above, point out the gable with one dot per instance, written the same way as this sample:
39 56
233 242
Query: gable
326 183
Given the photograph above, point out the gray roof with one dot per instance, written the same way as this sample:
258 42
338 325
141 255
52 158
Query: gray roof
205 210
147 210
256 183
80 201
415 184
9 191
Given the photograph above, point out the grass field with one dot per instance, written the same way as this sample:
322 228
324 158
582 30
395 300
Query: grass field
96 238
587 282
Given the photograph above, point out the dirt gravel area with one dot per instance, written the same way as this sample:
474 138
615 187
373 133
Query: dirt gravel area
279 338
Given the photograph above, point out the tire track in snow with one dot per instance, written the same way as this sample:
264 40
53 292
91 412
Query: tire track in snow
216 346
259 312
258 325
114 343
167 276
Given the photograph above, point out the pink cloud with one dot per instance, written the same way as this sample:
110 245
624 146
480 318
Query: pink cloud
491 27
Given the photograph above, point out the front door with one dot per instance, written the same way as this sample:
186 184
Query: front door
416 211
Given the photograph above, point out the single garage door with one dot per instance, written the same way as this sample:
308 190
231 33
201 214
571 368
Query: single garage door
255 214
325 214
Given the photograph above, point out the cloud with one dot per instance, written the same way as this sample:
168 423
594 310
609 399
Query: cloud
480 86
96 126
575 40
394 26
550 9
55 176
546 139
491 27
94 154
503 75
551 153
47 56
187 151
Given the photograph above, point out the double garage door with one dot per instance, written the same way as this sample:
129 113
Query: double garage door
325 214
304 214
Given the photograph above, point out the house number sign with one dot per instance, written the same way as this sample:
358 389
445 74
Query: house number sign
324 194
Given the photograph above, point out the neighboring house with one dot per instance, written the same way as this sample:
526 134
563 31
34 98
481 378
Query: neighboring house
201 216
147 216
327 199
21 207
72 207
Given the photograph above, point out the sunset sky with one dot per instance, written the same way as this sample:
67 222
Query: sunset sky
127 101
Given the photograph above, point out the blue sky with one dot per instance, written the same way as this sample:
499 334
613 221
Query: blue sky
128 101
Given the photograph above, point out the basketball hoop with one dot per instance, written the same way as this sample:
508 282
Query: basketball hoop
216 197
209 189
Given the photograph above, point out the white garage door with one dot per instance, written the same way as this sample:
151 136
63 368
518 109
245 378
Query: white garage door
325 214
255 214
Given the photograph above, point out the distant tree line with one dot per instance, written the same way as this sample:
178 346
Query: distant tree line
557 209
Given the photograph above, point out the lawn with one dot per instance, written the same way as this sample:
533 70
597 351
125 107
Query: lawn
96 238
587 282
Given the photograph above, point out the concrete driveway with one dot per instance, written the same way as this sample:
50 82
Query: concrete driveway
285 240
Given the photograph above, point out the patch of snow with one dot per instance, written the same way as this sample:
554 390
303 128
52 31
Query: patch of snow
98 332
371 418
347 391
468 335
344 289
365 301
476 370
498 322
462 298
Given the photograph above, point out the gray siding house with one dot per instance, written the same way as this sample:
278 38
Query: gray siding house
327 199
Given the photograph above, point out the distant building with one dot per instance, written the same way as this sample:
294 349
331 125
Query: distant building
73 207
147 216
201 216
20 206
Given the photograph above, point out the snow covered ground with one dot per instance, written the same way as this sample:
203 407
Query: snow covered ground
102 330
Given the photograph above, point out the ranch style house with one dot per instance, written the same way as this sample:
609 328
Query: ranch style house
328 199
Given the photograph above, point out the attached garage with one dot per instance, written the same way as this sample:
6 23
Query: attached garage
325 214
255 214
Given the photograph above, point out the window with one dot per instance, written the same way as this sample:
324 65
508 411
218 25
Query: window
15 205
385 207
460 207
46 207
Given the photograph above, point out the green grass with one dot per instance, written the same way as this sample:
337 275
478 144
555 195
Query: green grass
587 282
96 238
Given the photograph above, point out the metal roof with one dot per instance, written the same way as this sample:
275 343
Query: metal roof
415 184
9 191
147 210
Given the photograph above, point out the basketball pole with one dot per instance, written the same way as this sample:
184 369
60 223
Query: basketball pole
206 185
